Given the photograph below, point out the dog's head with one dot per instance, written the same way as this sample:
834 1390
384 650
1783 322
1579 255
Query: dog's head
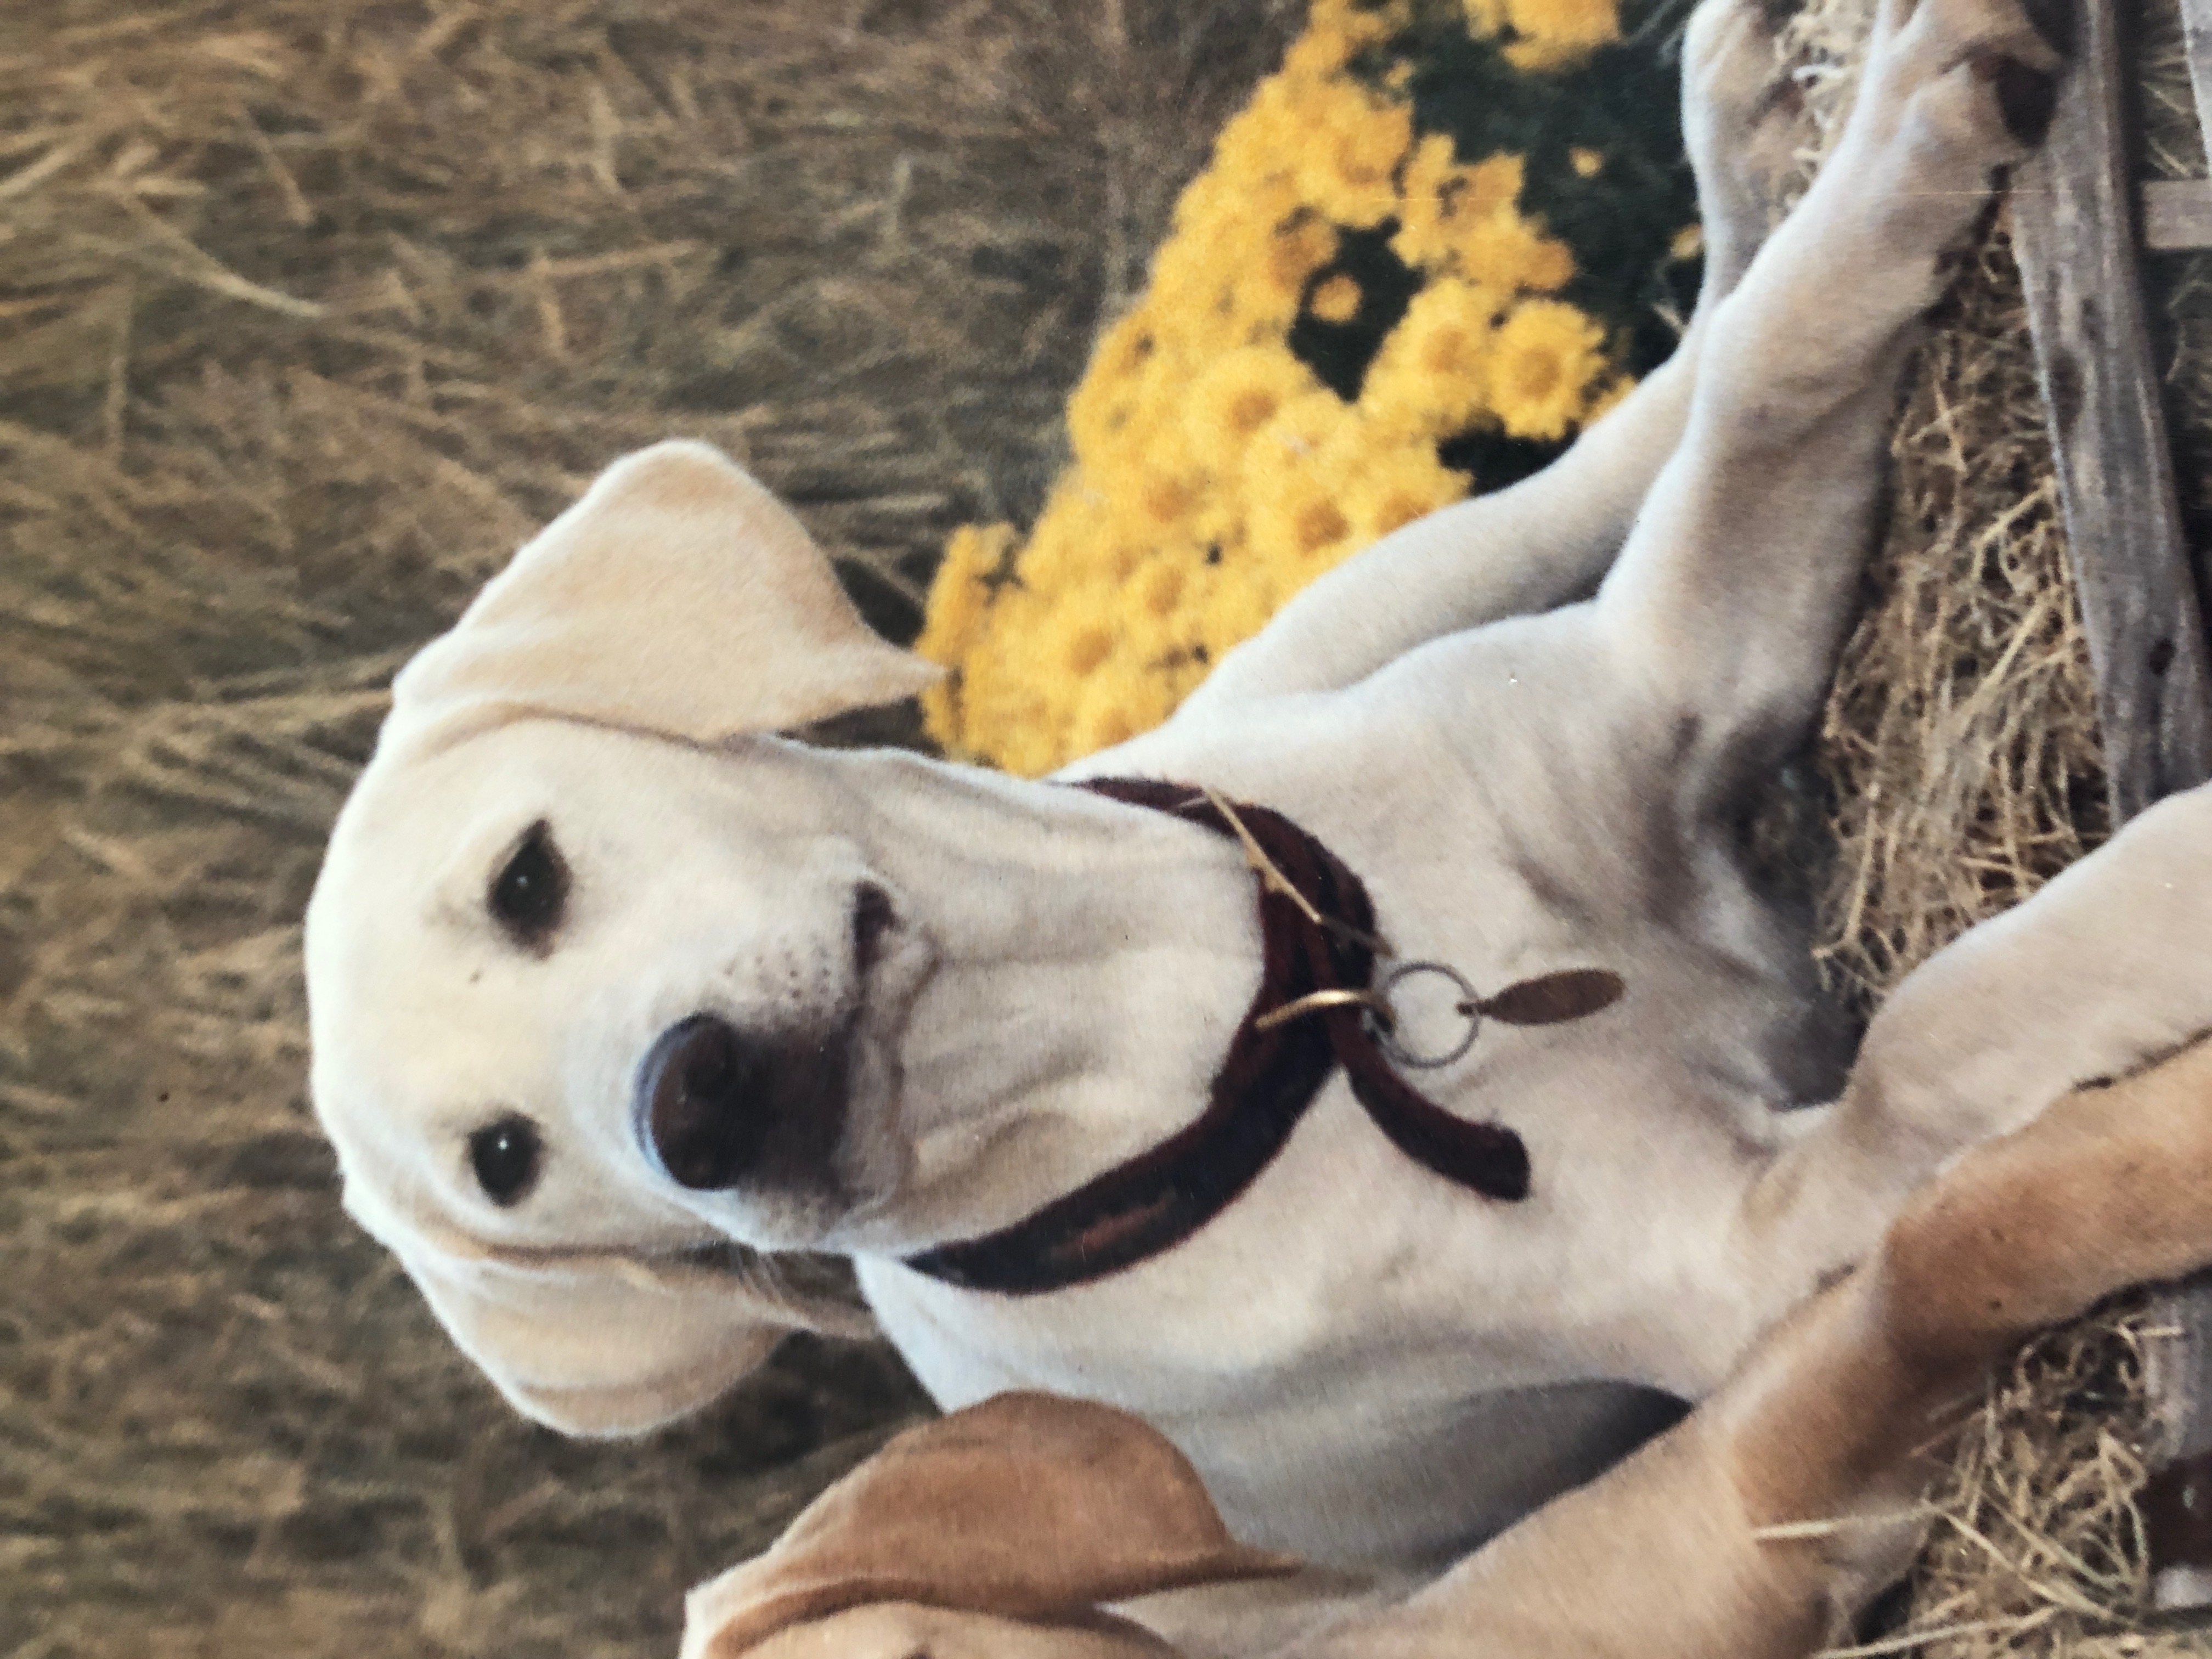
586 999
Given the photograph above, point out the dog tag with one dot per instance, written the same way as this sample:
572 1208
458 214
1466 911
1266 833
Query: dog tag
1551 997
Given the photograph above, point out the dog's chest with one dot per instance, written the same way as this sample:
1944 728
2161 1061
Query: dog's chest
1367 1362
1356 1378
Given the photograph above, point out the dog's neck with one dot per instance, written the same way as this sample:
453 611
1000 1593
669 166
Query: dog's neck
1094 961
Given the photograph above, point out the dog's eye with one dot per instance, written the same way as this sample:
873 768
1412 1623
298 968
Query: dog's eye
505 1156
532 888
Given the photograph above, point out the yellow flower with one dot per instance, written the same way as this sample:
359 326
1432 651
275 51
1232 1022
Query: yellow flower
1293 493
1114 384
1237 607
1081 637
1349 152
1555 33
1006 710
1032 747
1443 200
1078 520
1291 512
1350 26
959 600
1106 718
1336 300
1157 598
1505 250
1323 50
957 614
1113 708
1300 427
1393 488
1301 522
1259 144
1268 292
1227 215
1236 396
1213 475
1237 264
1432 375
1545 355
1166 495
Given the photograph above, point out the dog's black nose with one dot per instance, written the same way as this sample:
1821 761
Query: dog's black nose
700 1103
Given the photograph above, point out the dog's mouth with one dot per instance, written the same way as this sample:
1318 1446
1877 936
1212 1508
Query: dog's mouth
816 1277
722 1256
873 917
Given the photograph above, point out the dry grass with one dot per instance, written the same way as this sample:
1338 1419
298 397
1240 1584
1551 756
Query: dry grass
1960 743
309 310
2037 1546
1960 748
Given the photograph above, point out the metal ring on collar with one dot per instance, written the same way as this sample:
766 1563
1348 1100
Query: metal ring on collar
1396 1051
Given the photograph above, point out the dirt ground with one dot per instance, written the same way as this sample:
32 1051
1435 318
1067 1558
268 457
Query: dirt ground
310 310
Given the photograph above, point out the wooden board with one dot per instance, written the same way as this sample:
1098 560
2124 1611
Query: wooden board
2073 220
2196 42
2139 591
2177 215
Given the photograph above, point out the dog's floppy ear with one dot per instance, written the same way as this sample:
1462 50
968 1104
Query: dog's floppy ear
677 597
1026 1506
598 1342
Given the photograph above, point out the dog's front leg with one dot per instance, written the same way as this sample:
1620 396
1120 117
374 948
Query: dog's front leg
1727 607
2105 970
1548 539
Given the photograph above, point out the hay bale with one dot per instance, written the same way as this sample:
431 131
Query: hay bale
2036 1545
1958 747
1960 741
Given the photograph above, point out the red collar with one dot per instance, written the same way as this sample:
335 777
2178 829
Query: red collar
1269 1078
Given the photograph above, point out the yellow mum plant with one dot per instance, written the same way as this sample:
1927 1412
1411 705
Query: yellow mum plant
1429 249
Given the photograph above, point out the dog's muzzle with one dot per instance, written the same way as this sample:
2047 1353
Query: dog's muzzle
715 1109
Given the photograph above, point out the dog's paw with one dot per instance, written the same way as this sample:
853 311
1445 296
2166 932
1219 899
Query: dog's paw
1744 125
1953 91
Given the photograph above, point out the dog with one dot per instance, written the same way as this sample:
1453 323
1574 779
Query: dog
1373 1078
1757 1527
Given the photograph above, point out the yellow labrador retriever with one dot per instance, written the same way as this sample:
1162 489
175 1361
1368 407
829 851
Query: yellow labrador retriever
1371 1079
1001 1532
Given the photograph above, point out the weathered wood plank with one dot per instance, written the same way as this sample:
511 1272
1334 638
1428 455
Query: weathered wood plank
2138 591
2177 215
2179 1371
2138 588
2197 46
